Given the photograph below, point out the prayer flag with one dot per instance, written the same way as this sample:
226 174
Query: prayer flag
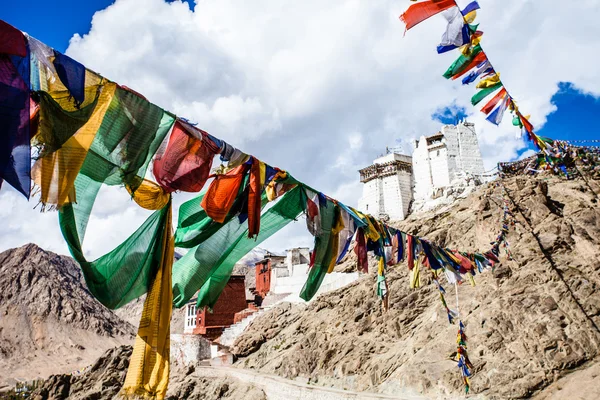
482 94
419 12
496 116
494 101
71 74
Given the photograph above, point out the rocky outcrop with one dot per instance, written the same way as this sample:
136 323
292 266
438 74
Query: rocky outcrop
49 322
530 322
104 380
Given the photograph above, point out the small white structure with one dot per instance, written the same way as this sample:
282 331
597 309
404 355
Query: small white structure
289 278
441 159
388 186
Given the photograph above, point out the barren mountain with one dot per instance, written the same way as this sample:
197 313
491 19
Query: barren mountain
49 322
532 322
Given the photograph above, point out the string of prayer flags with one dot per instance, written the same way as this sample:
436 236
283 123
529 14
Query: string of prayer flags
90 132
462 358
450 313
461 33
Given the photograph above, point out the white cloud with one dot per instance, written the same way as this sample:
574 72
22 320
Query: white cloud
321 88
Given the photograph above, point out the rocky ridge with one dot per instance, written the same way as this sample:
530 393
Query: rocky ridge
532 322
104 380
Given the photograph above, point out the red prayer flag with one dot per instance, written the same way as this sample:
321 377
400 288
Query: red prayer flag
419 12
12 40
494 101
528 126
186 162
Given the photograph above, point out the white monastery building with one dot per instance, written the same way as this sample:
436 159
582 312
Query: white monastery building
441 165
388 185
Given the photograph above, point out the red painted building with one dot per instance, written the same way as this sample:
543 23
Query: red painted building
231 301
263 278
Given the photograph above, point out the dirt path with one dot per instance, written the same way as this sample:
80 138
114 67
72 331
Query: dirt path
277 388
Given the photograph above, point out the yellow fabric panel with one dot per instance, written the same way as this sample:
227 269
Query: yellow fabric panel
335 240
55 173
415 278
148 373
489 81
371 231
381 267
470 17
149 195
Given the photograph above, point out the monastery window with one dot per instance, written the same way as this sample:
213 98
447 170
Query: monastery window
190 318
438 153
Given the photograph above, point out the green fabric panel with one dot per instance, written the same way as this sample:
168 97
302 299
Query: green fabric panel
130 133
483 93
323 252
58 125
126 272
285 210
194 226
214 241
461 62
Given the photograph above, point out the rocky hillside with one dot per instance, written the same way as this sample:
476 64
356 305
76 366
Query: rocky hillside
532 323
104 379
49 322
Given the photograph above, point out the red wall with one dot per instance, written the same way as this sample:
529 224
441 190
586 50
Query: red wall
231 301
263 277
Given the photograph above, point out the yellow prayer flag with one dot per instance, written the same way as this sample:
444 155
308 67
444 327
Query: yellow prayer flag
489 81
148 373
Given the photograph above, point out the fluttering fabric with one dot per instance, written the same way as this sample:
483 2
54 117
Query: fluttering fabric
501 95
222 193
472 6
461 63
496 116
216 247
473 75
457 32
12 41
489 81
126 272
482 94
323 249
72 75
130 133
186 162
64 136
148 373
360 249
477 60
419 12
15 153
286 210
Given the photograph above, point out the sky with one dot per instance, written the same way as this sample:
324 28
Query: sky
316 88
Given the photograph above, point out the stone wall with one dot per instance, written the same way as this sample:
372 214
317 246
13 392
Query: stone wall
189 349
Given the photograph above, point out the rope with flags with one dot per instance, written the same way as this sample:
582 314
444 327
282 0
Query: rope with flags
473 63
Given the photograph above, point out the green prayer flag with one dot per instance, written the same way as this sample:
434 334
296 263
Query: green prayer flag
130 133
461 62
323 252
482 94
